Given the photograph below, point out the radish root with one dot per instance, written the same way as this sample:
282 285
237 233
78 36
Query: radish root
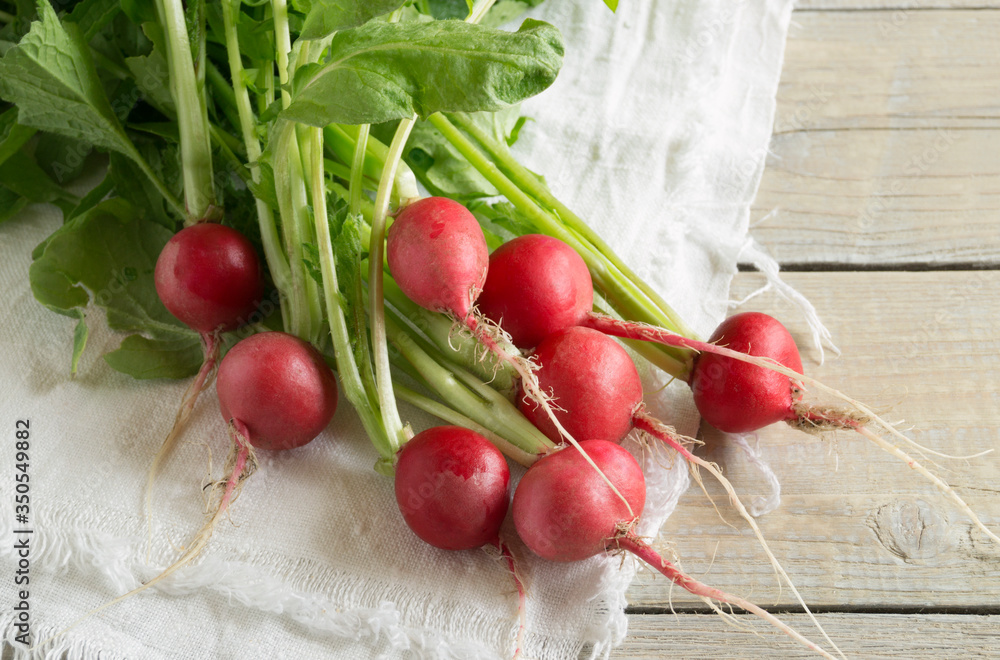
859 420
211 344
522 596
644 422
630 543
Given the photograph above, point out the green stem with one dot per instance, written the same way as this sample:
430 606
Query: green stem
293 203
283 46
342 139
478 12
376 247
486 407
223 92
340 171
526 180
5 17
445 413
462 348
350 377
192 114
307 235
358 169
612 284
276 260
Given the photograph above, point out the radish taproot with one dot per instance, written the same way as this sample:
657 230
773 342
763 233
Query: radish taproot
210 278
752 382
452 488
276 393
563 513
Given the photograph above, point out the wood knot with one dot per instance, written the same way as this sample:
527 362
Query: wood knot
912 530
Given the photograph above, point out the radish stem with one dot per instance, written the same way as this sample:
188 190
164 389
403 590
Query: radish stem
350 376
397 433
192 112
276 260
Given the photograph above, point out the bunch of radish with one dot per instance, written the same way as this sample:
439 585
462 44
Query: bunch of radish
463 322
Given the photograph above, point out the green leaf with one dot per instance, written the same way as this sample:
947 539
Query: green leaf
140 11
151 72
10 204
131 184
13 135
505 11
92 198
325 17
106 257
61 158
445 9
144 358
501 222
93 15
52 79
612 4
385 71
22 175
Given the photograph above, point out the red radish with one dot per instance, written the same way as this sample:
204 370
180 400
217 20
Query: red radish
530 313
736 397
276 392
452 489
564 512
730 385
756 374
595 385
437 254
209 277
279 387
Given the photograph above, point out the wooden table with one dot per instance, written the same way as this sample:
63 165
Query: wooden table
881 199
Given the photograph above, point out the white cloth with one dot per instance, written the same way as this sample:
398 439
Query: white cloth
656 131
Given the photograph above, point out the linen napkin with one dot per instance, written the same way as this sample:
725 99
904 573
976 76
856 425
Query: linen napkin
656 132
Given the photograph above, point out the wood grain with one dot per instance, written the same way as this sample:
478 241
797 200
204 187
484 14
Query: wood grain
856 528
690 636
885 135
886 69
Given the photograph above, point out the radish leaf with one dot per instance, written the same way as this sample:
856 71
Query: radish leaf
385 71
51 78
106 257
324 17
